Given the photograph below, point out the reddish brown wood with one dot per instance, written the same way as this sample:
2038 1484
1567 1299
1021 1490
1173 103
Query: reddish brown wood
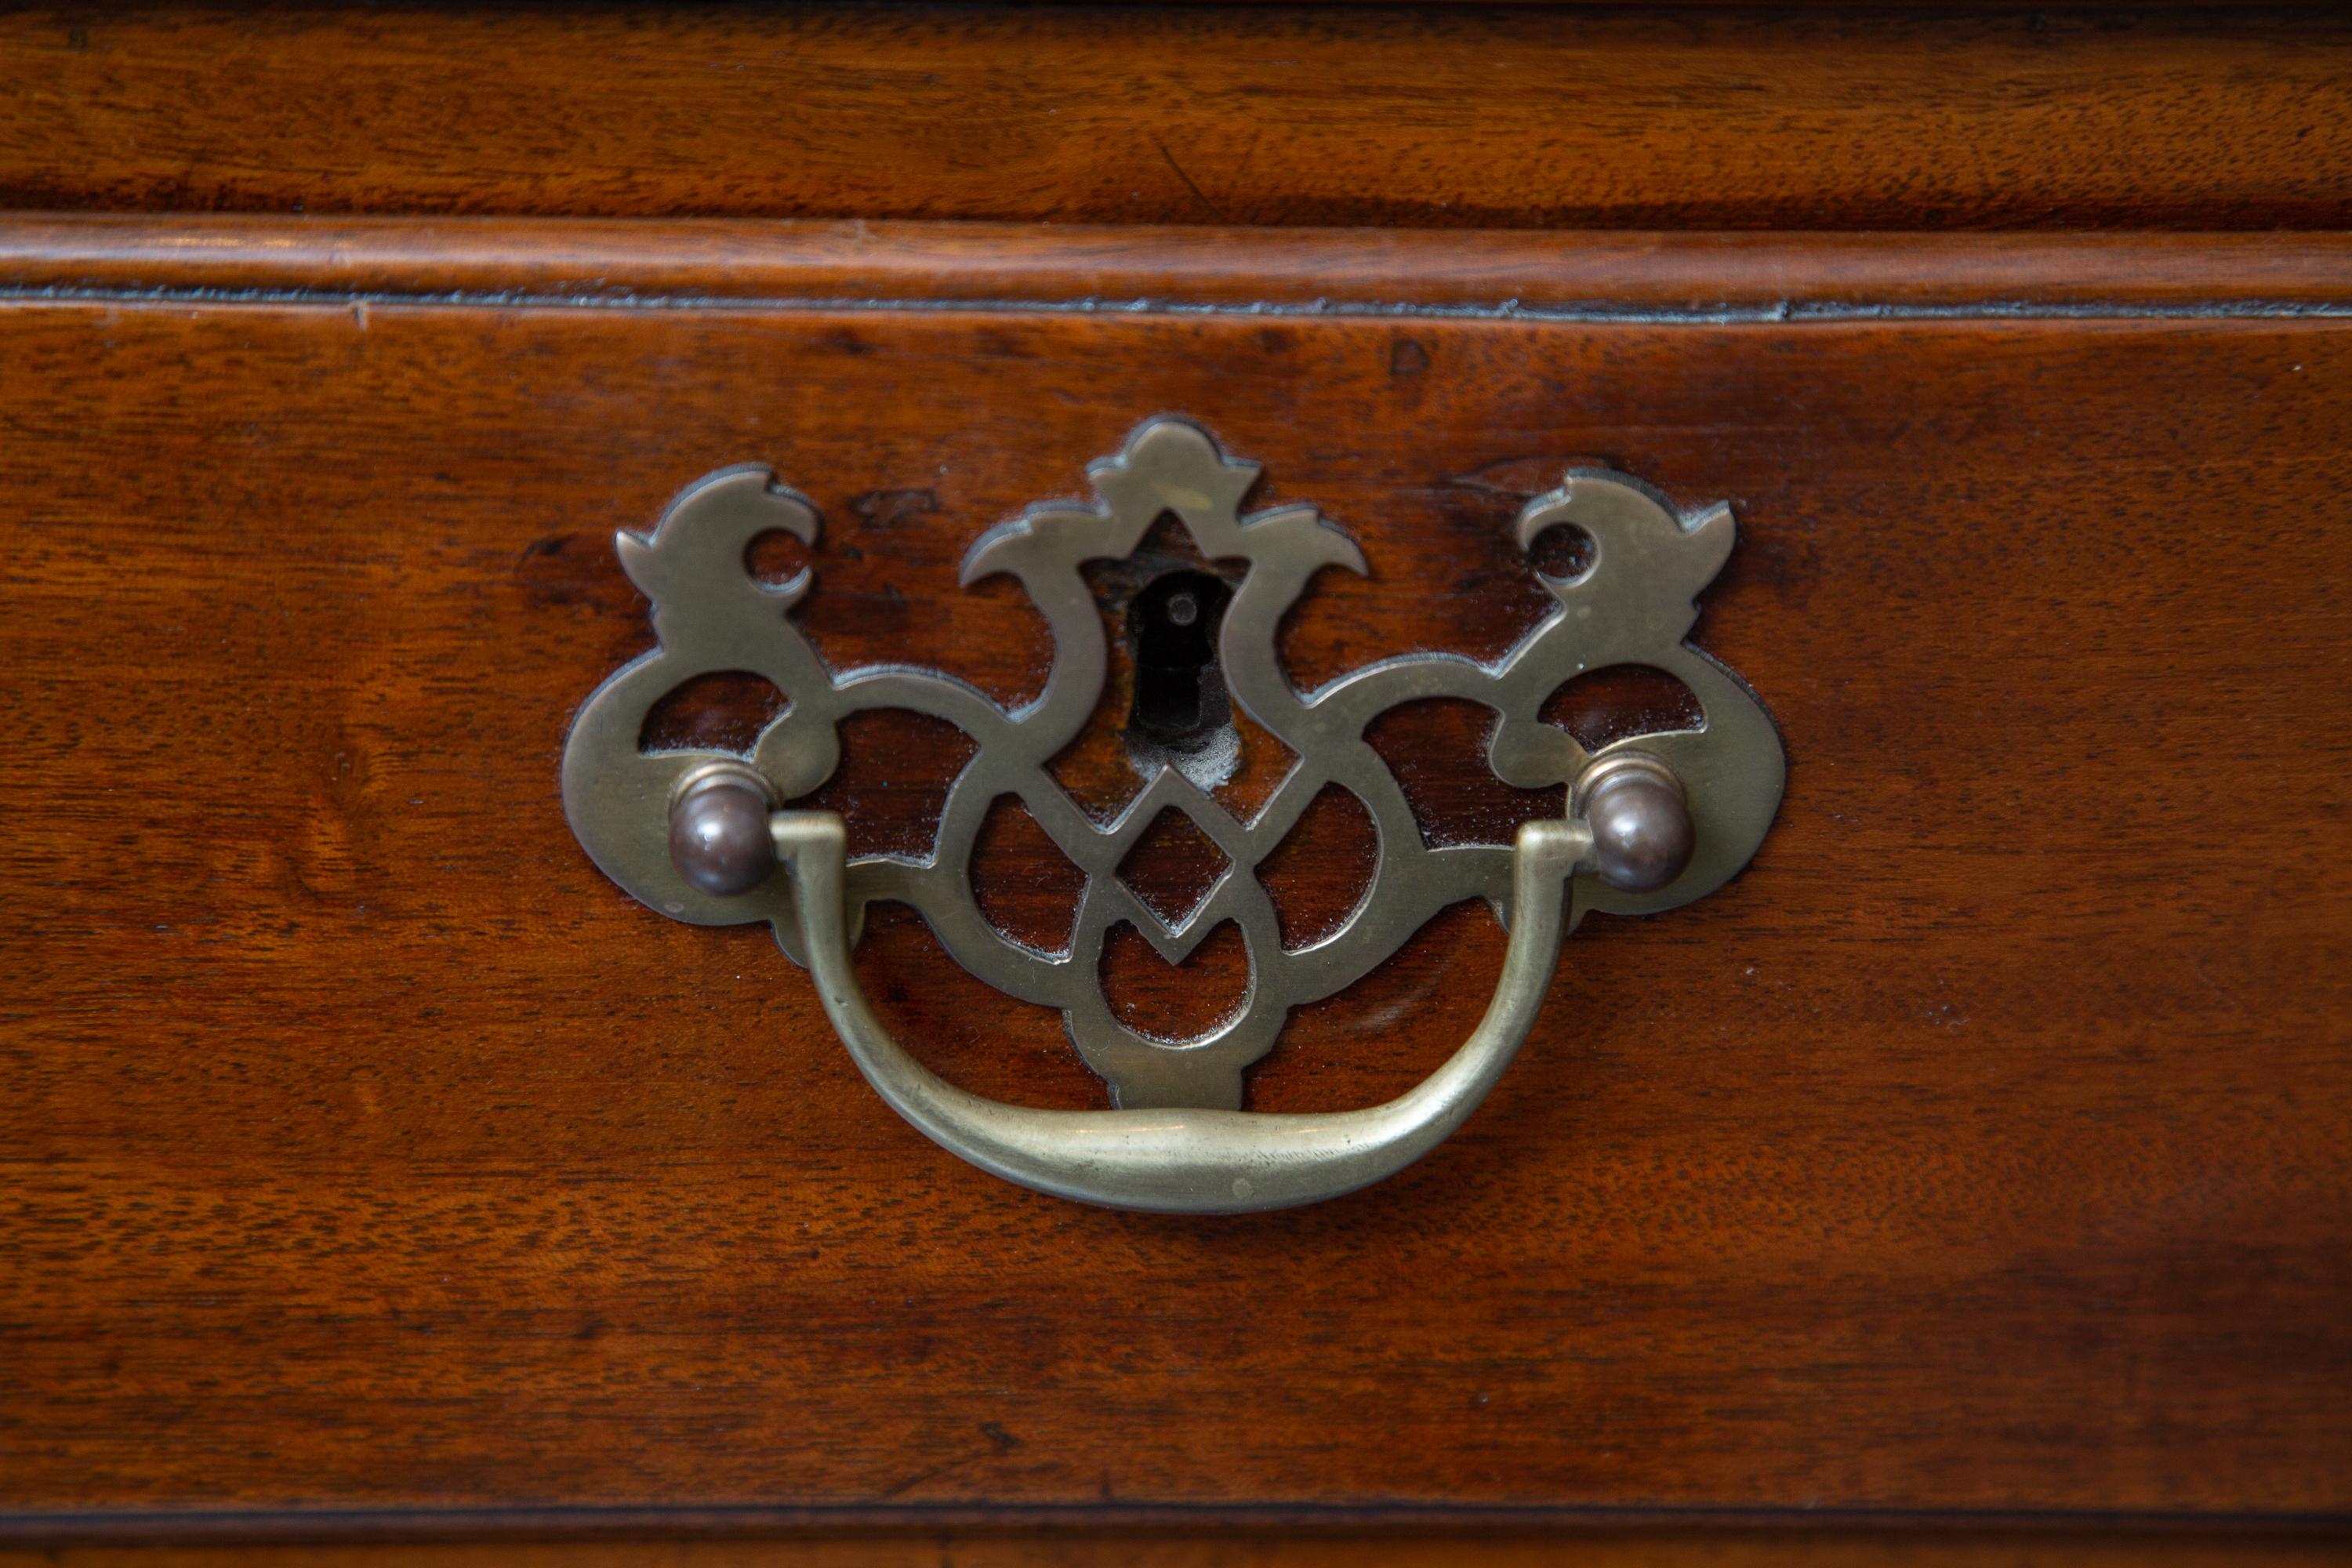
724 711
1437 751
1173 866
892 781
1981 1147
718 259
1709 118
1308 874
1025 885
1175 1002
1605 706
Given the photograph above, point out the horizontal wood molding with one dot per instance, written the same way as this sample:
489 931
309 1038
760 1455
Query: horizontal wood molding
682 261
1625 118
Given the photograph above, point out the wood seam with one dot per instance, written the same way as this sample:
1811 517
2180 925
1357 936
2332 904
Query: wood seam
37 1527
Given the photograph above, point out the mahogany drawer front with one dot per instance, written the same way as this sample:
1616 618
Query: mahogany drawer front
1980 1151
1824 115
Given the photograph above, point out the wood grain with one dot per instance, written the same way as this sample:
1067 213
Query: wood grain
1448 117
692 261
362 1148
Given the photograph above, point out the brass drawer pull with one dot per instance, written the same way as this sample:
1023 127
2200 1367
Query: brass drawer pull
1183 1160
1653 823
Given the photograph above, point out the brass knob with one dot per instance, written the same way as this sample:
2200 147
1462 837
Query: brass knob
1640 823
718 837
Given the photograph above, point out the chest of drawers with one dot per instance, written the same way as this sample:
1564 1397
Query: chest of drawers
1966 1180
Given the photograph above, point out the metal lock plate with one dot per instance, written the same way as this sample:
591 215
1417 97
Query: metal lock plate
1631 603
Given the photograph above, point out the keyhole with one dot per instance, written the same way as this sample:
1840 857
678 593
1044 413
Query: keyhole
1179 691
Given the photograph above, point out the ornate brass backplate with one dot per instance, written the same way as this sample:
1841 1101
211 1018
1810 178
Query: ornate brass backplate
1633 603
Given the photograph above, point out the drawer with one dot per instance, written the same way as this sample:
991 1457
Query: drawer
1977 1152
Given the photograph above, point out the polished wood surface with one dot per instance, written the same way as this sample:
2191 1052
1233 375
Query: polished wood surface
683 261
1981 1148
1619 117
